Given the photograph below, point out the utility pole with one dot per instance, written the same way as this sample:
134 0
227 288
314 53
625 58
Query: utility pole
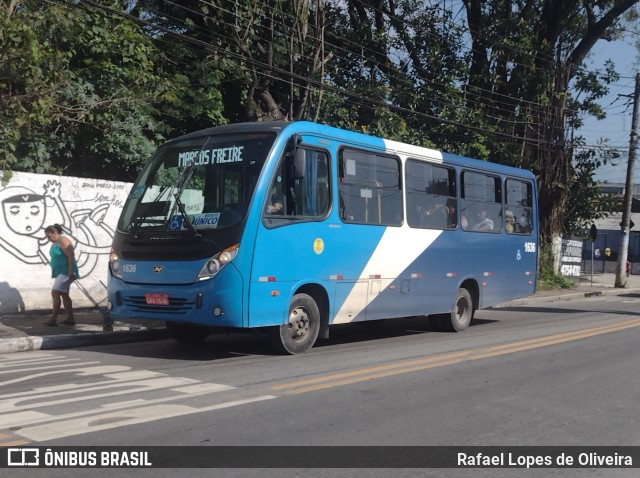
621 269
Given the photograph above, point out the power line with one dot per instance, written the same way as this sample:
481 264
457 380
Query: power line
496 104
364 100
368 101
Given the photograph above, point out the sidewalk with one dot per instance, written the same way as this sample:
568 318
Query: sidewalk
26 331
601 285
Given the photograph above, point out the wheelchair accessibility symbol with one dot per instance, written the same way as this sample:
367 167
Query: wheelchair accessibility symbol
176 223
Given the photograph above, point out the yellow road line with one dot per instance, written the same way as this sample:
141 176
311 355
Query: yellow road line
577 334
11 440
355 373
14 443
397 368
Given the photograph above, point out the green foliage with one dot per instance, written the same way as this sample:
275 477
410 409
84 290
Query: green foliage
548 277
588 87
91 88
75 92
588 202
411 68
191 97
526 77
7 174
86 92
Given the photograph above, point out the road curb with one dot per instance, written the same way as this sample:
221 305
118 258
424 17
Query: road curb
20 344
568 296
52 342
85 339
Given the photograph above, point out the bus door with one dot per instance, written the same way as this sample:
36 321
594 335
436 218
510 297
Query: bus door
293 240
370 205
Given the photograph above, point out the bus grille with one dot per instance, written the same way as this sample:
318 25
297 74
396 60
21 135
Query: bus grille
177 306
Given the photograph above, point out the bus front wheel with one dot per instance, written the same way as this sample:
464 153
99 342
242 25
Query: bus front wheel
187 333
460 316
301 330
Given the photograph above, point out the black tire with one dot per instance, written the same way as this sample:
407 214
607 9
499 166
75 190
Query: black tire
300 333
187 333
461 313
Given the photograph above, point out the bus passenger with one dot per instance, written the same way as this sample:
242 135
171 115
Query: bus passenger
523 225
452 213
510 221
276 200
484 223
434 216
464 222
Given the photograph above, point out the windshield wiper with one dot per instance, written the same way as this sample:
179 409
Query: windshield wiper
187 176
144 209
184 179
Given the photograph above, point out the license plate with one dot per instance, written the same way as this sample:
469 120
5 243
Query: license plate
157 299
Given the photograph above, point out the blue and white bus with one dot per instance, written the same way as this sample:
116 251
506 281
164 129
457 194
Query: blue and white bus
293 227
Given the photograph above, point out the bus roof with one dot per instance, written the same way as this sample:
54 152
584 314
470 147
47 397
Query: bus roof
362 140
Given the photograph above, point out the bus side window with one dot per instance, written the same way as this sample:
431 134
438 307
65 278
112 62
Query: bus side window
300 189
370 188
518 199
481 202
276 197
431 196
311 185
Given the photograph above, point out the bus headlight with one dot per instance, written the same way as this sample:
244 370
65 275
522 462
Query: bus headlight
217 262
114 264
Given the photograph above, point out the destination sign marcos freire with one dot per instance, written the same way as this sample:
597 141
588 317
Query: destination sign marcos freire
232 154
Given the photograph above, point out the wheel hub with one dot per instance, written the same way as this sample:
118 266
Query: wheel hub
298 323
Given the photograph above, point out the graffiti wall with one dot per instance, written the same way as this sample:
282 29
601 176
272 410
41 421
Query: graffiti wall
88 211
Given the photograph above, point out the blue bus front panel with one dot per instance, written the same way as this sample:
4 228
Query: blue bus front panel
213 302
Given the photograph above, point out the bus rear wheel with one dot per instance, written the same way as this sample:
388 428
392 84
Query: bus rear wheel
187 333
300 332
460 316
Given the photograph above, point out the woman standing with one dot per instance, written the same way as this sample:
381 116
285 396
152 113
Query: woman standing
64 270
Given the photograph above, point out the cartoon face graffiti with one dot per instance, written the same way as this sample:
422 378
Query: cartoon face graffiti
24 213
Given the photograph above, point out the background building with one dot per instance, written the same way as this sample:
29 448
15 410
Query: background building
607 244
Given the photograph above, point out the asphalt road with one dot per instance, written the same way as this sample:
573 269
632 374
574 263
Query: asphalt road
561 374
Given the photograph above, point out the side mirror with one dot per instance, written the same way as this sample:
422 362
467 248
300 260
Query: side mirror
300 163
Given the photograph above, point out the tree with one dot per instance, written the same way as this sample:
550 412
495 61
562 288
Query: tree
585 206
76 91
89 87
508 88
399 68
269 55
526 56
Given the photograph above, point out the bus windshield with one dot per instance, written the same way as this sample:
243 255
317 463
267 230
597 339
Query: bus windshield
197 184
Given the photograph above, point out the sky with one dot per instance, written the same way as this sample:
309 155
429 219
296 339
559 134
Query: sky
616 128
